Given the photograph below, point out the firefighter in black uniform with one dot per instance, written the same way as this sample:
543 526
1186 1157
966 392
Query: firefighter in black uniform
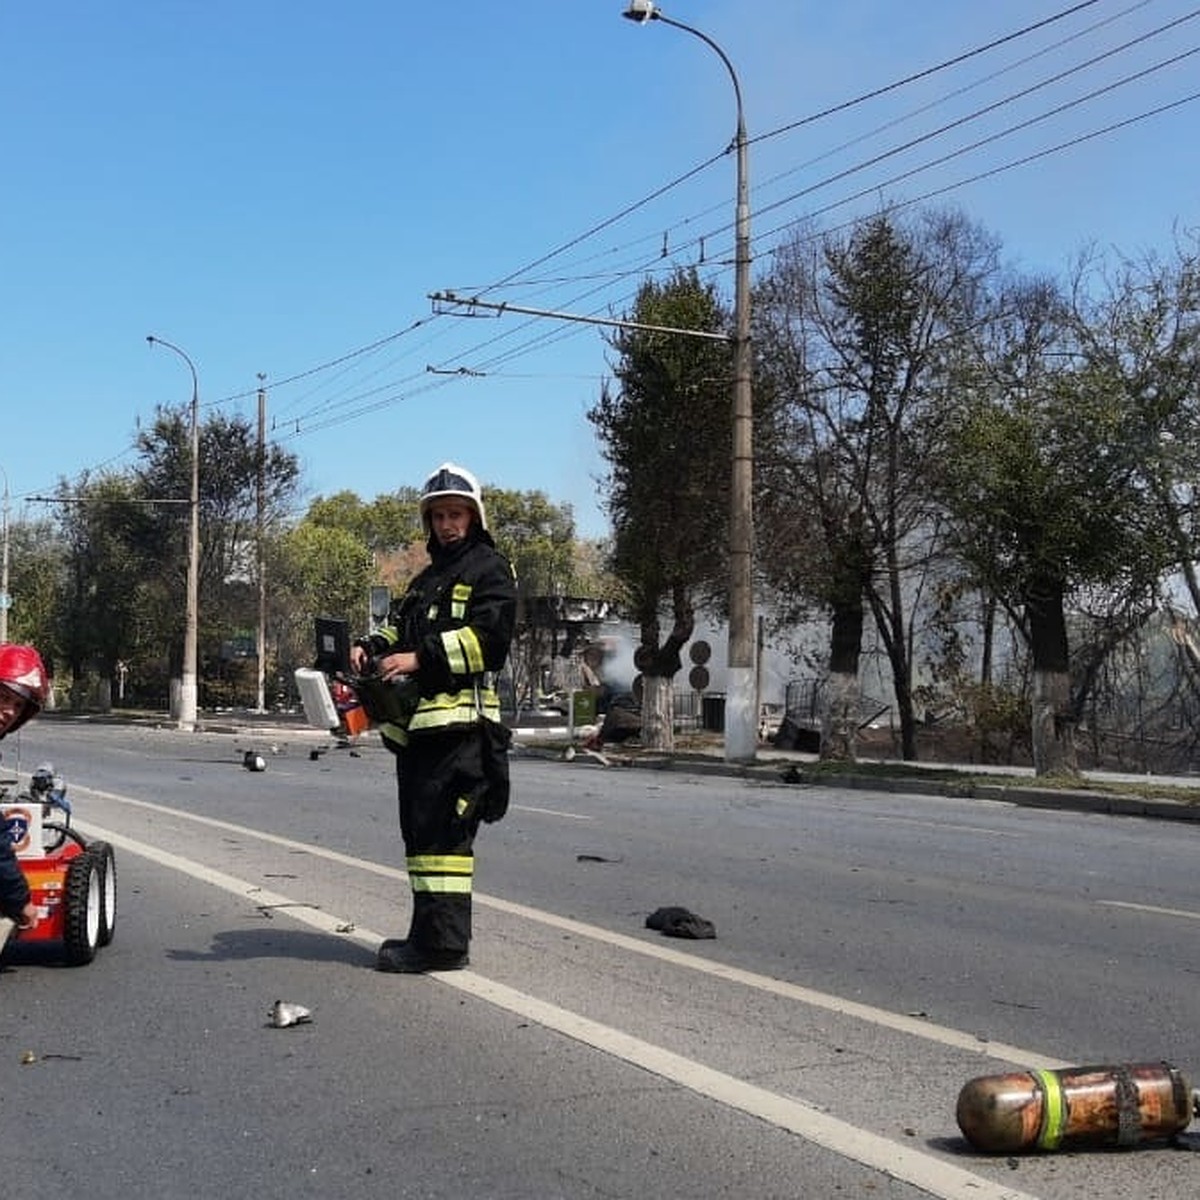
449 634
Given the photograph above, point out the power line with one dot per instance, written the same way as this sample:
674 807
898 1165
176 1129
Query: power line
1003 133
628 210
513 342
924 74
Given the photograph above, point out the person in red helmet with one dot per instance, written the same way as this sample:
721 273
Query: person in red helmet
23 690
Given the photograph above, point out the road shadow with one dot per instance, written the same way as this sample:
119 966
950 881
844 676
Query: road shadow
235 945
34 954
959 1147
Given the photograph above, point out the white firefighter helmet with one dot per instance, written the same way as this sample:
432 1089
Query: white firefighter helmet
452 480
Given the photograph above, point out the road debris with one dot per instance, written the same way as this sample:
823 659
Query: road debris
282 1013
674 921
1074 1107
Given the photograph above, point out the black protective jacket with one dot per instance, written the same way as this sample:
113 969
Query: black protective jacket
458 615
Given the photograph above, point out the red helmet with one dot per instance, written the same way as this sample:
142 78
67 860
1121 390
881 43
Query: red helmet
23 672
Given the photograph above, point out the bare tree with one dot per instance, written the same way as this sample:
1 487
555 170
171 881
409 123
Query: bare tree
856 334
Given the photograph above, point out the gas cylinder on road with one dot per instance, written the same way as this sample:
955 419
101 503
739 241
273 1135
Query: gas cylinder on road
1074 1107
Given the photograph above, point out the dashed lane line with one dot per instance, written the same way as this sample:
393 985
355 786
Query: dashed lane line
1157 910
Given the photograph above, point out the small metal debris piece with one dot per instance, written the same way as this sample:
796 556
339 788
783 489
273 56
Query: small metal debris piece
282 1014
28 1058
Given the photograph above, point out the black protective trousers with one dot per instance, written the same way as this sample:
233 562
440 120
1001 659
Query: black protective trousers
440 784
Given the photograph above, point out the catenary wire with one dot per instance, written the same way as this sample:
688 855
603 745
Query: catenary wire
353 406
677 181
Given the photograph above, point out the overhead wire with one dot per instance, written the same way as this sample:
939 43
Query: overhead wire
957 153
679 180
974 85
926 72
506 345
828 180
955 124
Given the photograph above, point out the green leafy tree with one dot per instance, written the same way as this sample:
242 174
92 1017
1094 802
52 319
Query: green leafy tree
1043 479
124 600
666 434
1138 330
37 556
318 570
230 475
109 564
386 524
537 536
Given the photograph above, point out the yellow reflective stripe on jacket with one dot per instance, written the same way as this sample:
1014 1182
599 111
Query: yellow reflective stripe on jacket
459 596
441 873
458 708
394 734
463 651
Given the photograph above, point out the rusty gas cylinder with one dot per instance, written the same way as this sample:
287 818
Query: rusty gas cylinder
1075 1106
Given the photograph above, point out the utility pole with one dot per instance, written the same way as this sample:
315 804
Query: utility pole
188 688
260 640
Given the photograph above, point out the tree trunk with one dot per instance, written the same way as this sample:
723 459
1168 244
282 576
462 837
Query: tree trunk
659 665
839 729
1053 726
839 721
658 713
908 718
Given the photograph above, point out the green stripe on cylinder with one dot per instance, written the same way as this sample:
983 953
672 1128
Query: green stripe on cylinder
1054 1110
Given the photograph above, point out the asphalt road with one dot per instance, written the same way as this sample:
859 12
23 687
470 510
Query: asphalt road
873 953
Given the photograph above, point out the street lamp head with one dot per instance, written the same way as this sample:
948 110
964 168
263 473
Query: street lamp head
641 11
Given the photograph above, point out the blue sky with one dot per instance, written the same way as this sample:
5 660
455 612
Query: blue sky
277 186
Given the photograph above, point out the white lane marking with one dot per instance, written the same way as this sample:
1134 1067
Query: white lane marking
898 1022
943 827
940 1179
1151 908
923 1171
241 888
552 812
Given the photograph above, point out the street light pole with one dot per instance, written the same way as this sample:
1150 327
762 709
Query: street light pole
187 687
741 705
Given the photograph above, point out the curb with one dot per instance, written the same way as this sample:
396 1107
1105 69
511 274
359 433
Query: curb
788 773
